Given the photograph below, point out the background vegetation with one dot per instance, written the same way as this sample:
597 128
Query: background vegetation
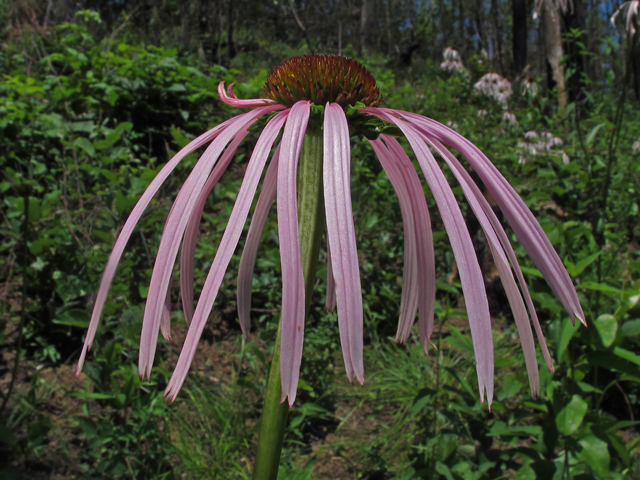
94 101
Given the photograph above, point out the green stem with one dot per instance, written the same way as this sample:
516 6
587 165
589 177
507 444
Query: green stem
311 226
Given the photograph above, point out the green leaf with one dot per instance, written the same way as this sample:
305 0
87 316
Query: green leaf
596 454
457 339
124 126
631 328
568 329
86 127
500 429
578 268
443 470
532 271
614 361
510 387
73 318
607 327
177 88
627 355
601 287
447 444
592 134
86 145
570 417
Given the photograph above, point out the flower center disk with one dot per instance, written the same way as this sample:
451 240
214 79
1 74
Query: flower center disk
322 79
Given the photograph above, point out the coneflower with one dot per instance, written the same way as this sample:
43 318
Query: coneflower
318 103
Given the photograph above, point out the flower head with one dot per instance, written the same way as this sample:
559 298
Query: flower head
630 11
346 102
494 86
545 142
529 87
452 61
509 118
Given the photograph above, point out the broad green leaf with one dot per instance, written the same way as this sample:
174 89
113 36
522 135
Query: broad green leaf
509 387
84 144
526 473
177 88
124 126
631 328
447 444
614 361
607 327
86 127
596 454
500 428
457 339
570 417
443 470
601 287
627 355
578 268
532 271
568 329
592 134
74 318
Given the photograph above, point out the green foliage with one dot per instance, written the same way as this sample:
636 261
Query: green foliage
87 128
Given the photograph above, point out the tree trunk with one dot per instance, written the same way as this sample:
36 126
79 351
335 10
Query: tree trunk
231 47
573 21
497 22
555 53
185 7
461 25
479 30
519 36
363 27
388 24
202 9
635 60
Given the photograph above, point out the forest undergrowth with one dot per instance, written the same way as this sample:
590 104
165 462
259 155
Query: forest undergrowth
85 124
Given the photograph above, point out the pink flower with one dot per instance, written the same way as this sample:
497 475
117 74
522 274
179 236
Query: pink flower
494 86
339 88
452 61
630 11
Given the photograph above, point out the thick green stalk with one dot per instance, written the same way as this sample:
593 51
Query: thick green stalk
311 225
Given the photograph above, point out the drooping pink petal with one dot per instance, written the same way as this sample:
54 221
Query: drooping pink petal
524 224
127 230
225 251
248 258
174 229
410 291
506 244
293 294
342 238
476 201
424 241
165 324
330 303
232 100
187 253
464 252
